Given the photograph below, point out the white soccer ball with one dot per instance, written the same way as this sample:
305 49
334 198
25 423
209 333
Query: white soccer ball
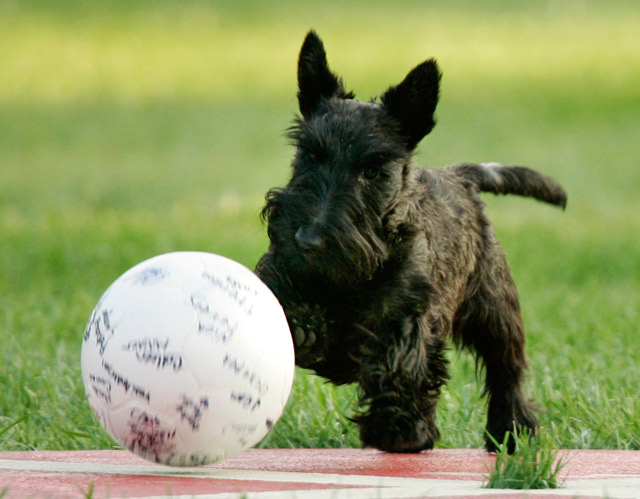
187 359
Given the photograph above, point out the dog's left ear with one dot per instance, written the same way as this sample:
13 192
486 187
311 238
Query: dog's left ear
315 80
413 102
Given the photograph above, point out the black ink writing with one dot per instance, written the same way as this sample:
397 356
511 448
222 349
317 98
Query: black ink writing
148 436
154 351
246 400
250 376
191 411
95 314
149 276
100 325
211 323
124 382
101 387
195 459
240 430
240 293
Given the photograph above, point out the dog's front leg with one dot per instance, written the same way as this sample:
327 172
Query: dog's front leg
401 382
307 321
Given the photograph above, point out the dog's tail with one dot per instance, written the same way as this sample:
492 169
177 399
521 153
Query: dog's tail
519 180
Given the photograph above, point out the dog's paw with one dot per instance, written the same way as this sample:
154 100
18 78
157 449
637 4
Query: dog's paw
391 431
309 332
303 337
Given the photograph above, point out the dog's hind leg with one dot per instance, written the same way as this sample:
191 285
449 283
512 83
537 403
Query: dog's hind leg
490 324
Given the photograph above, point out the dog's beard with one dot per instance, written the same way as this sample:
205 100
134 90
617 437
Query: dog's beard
349 257
347 261
352 250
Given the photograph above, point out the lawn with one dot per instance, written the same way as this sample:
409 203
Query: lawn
129 129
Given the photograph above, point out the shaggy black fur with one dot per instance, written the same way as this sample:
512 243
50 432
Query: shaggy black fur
377 262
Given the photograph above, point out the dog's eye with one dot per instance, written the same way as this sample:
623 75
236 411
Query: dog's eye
370 173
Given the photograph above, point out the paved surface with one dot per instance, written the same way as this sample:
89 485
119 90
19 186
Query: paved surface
303 473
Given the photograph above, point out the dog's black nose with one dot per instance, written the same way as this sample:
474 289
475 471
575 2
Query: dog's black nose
308 239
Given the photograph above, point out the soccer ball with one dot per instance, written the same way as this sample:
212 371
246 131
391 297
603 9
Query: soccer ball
187 359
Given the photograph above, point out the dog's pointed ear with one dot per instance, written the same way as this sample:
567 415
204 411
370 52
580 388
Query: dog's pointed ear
315 80
413 102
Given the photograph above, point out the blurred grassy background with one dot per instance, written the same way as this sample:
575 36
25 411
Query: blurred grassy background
129 129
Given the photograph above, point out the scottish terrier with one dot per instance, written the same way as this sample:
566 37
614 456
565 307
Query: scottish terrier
378 263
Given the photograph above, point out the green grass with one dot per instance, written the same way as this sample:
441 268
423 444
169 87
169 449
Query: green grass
135 129
533 465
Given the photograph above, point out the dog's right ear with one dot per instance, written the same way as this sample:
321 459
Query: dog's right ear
315 81
413 102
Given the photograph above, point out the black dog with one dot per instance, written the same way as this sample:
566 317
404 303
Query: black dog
377 262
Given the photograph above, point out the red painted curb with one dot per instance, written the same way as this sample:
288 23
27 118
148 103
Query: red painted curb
303 473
